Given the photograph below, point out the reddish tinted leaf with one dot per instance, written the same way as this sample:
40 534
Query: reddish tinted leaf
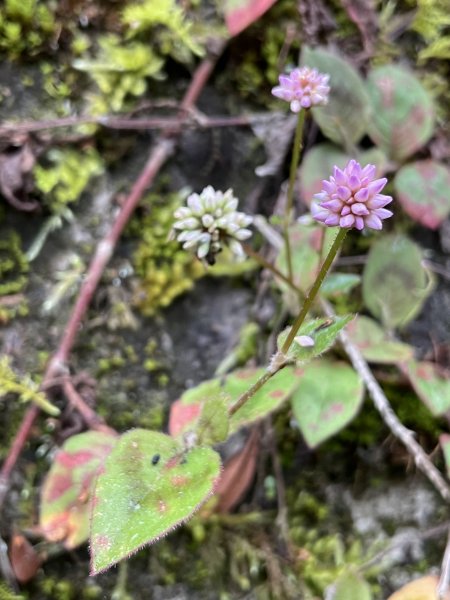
239 14
64 511
423 191
182 415
237 475
25 561
374 344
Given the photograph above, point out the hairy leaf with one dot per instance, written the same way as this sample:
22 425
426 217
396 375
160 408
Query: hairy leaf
149 486
327 399
423 191
337 284
395 284
346 117
402 111
67 489
323 333
375 345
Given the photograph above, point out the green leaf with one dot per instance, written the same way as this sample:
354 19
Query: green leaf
351 586
323 332
375 345
213 423
327 399
316 166
422 190
149 486
337 284
395 284
444 440
67 489
230 388
432 387
402 111
270 397
345 119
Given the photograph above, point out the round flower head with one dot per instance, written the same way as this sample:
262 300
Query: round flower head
351 198
210 220
303 88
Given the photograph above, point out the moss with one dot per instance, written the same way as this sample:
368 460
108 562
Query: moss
13 277
7 594
66 176
27 27
165 270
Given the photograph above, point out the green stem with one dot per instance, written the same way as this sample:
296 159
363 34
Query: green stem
314 289
290 193
250 392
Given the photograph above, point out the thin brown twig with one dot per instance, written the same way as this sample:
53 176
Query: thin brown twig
90 417
57 365
444 581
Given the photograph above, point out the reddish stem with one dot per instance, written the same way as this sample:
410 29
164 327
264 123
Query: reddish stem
57 365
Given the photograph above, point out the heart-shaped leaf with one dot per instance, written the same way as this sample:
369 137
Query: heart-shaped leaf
375 345
239 14
67 489
350 586
149 486
395 284
316 166
402 111
422 190
236 383
319 335
431 385
345 118
327 399
424 588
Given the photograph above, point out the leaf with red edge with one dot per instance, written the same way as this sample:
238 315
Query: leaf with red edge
431 384
182 416
230 387
423 191
66 492
239 14
149 485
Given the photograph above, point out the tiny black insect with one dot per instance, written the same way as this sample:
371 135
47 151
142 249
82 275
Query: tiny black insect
155 459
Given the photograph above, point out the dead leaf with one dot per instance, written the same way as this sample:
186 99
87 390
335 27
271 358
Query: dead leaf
25 561
237 475
420 589
15 171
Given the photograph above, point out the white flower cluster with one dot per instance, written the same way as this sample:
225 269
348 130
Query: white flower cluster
209 220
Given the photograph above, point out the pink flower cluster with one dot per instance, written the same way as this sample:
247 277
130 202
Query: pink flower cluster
351 198
303 88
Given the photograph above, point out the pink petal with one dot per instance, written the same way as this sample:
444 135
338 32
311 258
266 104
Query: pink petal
379 201
354 182
328 187
347 221
376 186
333 205
343 193
359 209
359 223
383 213
369 171
340 176
346 210
373 222
332 220
362 195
